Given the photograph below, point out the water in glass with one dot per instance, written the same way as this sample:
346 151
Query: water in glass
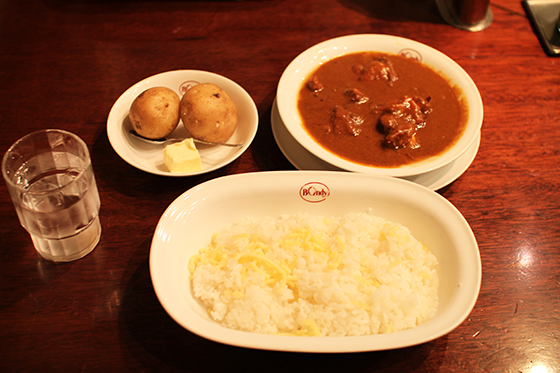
59 209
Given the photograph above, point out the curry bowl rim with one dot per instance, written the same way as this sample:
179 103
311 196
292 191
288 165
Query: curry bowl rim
299 69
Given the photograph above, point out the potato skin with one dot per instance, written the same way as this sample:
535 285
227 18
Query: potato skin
155 112
208 113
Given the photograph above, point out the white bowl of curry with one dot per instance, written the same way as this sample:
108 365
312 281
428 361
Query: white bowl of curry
380 104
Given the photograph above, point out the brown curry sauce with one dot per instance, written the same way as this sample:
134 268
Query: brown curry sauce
351 105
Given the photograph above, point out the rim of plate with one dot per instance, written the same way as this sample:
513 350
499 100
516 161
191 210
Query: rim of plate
149 158
297 72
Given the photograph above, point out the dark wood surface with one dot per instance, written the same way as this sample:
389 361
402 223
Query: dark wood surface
63 63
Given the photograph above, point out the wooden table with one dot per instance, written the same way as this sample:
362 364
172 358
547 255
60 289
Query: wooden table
64 63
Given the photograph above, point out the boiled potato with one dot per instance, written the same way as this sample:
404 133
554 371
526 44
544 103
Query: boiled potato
208 113
155 112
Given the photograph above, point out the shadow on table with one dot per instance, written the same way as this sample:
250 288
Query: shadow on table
265 151
33 273
157 343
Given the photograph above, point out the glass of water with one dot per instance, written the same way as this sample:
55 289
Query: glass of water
50 179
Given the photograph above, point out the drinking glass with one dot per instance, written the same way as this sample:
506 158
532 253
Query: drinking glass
50 179
471 12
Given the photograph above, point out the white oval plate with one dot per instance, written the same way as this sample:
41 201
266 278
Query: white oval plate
190 221
299 69
149 158
302 159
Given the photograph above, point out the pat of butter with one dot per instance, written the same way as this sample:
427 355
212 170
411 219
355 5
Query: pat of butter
182 157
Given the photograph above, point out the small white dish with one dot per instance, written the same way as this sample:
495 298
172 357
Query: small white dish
302 159
298 71
190 221
148 157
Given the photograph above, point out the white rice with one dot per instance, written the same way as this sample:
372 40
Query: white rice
317 276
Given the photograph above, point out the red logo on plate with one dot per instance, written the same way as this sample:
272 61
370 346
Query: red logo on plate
411 53
314 192
183 88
